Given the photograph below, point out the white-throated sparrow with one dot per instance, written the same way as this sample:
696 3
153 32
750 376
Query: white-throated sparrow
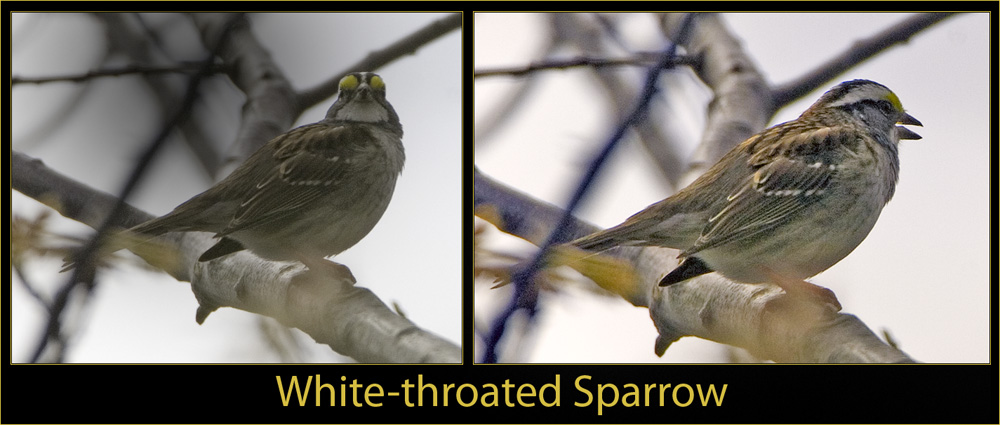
787 203
309 193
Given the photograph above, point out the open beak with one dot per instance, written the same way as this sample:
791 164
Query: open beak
905 133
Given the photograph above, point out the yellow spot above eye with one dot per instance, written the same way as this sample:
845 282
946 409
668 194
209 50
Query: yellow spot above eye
349 82
894 100
377 83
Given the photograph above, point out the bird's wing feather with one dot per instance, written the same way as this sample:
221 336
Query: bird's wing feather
308 161
783 184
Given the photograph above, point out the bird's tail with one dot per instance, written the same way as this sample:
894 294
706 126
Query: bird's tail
145 245
599 241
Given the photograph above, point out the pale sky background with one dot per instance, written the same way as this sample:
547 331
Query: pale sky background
923 272
411 258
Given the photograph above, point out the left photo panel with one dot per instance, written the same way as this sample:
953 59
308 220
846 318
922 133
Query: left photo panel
236 188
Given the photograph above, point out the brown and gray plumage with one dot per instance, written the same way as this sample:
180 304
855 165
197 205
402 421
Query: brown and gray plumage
787 203
307 194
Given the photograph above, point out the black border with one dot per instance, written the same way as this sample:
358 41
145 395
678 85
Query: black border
754 394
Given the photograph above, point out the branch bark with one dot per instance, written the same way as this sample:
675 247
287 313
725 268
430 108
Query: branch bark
352 320
127 36
742 103
652 134
711 306
271 105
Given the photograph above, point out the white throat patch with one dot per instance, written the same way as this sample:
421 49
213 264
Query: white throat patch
363 111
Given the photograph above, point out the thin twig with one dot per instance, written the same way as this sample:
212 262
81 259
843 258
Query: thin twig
859 52
377 59
85 270
736 318
641 59
525 293
30 287
129 35
117 72
353 321
488 121
621 89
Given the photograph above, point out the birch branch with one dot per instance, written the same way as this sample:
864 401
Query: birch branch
351 319
709 307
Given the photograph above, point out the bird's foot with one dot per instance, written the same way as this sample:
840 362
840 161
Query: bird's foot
815 293
800 290
330 269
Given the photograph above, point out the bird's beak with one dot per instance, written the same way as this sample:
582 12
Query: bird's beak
905 133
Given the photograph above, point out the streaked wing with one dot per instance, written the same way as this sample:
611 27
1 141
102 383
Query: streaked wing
782 186
310 162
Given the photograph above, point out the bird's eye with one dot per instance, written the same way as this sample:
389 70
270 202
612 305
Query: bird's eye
377 83
349 82
886 107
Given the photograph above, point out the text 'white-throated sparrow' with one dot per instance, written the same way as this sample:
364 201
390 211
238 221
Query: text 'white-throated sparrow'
309 193
787 203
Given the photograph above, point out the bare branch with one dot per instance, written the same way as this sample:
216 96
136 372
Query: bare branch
861 51
710 306
525 293
489 121
270 107
652 133
84 273
519 214
128 35
643 59
113 72
742 97
351 319
406 46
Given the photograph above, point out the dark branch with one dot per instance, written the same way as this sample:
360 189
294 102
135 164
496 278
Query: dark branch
351 319
86 265
738 313
377 59
525 294
117 72
644 59
858 53
129 35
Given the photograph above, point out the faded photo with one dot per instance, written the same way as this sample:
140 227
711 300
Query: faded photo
291 187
